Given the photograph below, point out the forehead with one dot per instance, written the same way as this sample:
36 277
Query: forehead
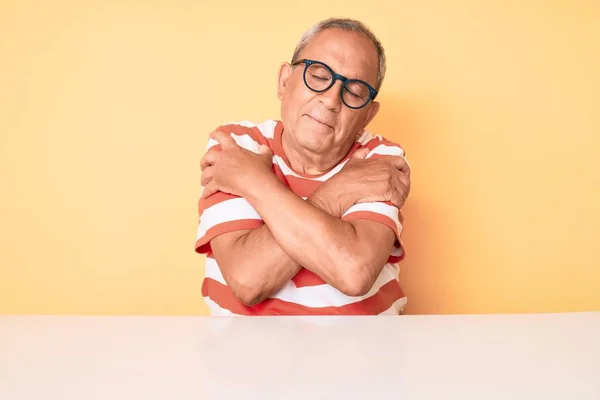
347 53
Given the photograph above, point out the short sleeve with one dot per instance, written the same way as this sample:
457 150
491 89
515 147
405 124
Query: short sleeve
382 212
222 212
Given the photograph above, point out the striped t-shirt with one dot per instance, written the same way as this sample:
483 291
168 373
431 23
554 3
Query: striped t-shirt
306 293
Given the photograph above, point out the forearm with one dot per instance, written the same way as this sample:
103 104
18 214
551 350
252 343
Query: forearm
320 242
260 267
263 267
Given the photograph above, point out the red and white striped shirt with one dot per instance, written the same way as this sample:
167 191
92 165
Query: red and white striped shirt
306 293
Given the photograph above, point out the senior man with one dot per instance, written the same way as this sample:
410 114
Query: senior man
301 216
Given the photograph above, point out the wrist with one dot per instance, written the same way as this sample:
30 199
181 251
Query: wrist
261 187
329 199
319 200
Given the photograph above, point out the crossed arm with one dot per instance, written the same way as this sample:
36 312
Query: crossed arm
348 255
256 263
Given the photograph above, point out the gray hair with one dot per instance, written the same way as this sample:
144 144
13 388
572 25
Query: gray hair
346 24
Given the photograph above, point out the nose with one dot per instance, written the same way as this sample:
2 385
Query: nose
331 97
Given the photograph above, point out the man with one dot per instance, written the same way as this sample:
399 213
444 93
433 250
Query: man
301 216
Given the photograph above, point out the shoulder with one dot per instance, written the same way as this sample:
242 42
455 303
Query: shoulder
379 145
250 135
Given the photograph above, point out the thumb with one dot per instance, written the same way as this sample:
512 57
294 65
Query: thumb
264 150
360 154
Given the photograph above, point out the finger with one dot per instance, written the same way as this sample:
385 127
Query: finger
397 199
207 176
405 182
265 154
265 150
224 139
400 189
360 154
399 162
210 157
209 190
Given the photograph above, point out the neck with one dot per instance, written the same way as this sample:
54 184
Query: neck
312 163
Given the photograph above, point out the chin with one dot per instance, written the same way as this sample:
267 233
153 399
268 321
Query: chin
311 127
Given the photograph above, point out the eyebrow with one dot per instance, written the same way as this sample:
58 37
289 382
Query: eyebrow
361 78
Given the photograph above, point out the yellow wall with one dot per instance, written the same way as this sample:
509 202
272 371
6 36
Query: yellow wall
105 107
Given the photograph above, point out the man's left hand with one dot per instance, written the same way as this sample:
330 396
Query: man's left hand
230 168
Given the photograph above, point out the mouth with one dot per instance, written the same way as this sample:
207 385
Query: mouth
319 121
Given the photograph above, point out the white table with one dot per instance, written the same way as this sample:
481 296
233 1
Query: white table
542 356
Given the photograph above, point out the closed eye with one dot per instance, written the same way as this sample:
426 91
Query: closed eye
358 96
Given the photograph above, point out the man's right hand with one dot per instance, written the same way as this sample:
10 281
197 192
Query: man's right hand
380 178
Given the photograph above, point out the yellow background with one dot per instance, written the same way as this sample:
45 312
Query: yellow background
105 108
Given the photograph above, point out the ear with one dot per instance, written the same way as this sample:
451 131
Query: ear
285 72
372 111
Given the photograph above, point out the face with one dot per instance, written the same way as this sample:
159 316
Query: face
321 123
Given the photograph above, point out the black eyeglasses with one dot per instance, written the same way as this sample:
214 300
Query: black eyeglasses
319 77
